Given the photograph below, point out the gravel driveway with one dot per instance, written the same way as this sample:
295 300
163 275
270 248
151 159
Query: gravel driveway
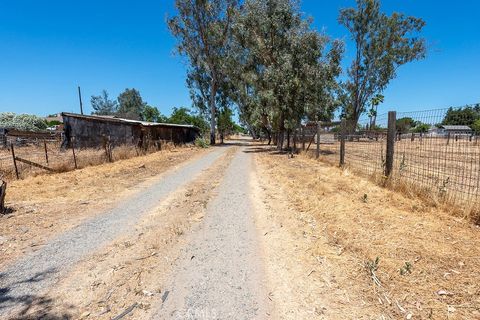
218 275
25 280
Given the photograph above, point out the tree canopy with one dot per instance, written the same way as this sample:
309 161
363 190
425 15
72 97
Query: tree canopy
130 104
202 28
102 105
462 116
383 43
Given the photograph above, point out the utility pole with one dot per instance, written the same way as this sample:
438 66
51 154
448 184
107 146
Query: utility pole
80 98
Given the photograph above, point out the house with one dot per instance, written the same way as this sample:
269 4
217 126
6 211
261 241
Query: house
92 131
455 130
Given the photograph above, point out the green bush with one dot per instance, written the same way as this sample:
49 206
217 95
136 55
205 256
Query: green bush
201 142
26 122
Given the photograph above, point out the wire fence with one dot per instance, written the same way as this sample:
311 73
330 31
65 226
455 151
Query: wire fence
20 160
436 152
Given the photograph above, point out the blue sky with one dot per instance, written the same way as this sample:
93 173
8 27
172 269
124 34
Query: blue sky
49 47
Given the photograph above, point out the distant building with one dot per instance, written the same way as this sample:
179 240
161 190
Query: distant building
58 117
455 129
92 131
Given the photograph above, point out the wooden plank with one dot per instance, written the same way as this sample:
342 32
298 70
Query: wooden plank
33 164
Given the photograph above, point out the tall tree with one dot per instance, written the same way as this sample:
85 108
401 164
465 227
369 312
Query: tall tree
281 68
183 115
102 105
383 43
203 29
226 125
151 114
130 104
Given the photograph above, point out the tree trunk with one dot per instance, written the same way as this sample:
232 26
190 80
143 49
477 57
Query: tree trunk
281 133
213 93
288 139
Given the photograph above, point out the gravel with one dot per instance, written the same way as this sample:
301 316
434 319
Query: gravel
31 275
219 274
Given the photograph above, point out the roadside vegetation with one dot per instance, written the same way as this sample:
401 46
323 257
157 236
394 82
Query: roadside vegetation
266 59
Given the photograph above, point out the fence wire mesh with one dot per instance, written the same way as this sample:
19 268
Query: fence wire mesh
50 154
436 151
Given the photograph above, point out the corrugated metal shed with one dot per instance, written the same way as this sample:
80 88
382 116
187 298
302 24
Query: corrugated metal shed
92 130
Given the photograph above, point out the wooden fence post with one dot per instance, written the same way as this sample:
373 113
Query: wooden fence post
392 118
73 151
46 151
343 129
3 192
318 140
14 161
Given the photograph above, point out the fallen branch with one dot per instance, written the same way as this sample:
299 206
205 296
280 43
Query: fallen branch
127 311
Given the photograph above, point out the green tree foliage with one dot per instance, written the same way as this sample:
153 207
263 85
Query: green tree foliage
421 127
202 28
151 114
185 116
130 105
383 43
225 123
53 123
24 122
476 126
102 105
279 67
405 124
462 116
372 113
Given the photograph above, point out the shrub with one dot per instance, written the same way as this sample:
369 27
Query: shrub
201 142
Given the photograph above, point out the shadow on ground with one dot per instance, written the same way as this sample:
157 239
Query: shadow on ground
29 306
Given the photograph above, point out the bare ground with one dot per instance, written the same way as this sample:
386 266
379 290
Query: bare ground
132 269
47 205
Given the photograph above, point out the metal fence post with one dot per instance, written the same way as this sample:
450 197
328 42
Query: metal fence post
392 119
318 140
343 129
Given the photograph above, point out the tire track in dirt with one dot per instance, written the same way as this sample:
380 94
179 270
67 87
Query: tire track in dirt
26 279
220 273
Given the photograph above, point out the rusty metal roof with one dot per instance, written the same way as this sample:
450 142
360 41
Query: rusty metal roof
108 118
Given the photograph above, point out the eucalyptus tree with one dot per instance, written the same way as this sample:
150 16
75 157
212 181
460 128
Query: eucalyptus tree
102 105
281 66
202 28
383 43
130 104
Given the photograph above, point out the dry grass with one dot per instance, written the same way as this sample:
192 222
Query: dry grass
63 160
445 176
428 261
46 205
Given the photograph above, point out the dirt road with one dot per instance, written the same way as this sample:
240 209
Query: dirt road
243 232
220 274
35 273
